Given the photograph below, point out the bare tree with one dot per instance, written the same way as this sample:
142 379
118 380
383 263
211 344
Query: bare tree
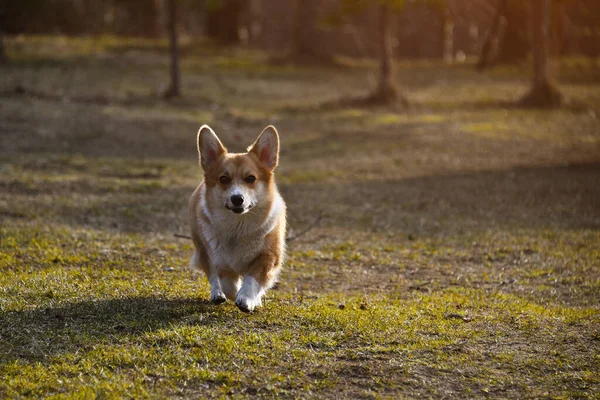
543 92
3 56
387 90
486 51
446 34
507 40
174 89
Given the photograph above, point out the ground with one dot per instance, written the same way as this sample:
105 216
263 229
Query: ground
458 254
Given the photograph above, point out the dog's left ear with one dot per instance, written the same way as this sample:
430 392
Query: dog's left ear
266 147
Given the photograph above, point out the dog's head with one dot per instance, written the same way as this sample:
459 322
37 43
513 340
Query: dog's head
239 182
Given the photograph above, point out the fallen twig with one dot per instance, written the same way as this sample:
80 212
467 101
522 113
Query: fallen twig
465 318
310 227
288 239
421 287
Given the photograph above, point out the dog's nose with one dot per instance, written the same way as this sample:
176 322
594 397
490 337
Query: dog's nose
237 200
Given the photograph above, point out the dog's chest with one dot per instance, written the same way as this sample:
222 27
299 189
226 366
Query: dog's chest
229 249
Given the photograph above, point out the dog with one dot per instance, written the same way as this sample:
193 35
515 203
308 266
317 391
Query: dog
238 219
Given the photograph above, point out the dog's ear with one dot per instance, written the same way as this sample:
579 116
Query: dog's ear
210 147
266 147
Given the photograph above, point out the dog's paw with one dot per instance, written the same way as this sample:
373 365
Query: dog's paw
250 295
217 297
246 304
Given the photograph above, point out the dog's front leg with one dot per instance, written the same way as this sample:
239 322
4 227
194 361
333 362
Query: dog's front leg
216 293
259 278
200 261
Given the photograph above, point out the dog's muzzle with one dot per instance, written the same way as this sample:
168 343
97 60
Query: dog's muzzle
236 204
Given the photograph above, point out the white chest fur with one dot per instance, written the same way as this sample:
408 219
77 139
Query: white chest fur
226 248
233 241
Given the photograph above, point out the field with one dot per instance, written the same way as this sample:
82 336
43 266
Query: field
458 254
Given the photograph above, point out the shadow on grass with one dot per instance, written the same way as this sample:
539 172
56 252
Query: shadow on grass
558 197
363 102
36 335
414 107
151 99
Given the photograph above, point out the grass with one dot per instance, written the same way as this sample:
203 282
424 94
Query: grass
458 255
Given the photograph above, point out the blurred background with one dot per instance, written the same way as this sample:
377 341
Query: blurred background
102 96
440 159
322 32
322 29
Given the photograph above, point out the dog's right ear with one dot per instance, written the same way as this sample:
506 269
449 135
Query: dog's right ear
210 148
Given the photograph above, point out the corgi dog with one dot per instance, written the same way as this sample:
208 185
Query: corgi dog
238 219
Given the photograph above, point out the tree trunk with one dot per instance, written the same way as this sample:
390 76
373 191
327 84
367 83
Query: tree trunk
447 36
3 55
174 89
512 44
386 91
488 45
560 19
540 23
543 92
387 85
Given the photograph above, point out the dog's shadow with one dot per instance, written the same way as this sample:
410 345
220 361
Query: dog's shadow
38 335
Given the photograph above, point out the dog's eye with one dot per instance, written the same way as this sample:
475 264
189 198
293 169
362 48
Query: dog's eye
224 180
251 179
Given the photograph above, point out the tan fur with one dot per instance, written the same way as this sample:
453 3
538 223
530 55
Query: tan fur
255 240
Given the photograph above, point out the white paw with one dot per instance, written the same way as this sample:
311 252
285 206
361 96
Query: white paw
246 304
216 292
250 295
217 296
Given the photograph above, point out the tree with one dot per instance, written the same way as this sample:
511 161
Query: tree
543 92
3 56
174 89
387 90
486 50
509 33
446 34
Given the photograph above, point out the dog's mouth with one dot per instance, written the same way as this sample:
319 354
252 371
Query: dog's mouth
238 210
